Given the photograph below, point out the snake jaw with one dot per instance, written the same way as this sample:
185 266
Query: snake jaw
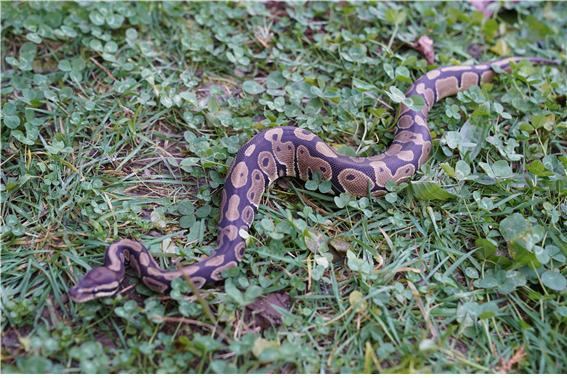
98 283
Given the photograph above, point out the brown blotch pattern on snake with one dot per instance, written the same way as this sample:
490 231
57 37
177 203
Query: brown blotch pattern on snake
355 182
325 150
267 164
215 260
306 162
239 251
249 150
216 274
154 284
405 122
446 87
144 259
239 176
232 212
468 79
248 215
256 190
456 68
433 74
285 155
304 134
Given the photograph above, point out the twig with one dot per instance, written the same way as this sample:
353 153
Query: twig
422 309
103 68
506 366
193 322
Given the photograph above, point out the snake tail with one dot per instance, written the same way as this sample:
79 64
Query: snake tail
295 152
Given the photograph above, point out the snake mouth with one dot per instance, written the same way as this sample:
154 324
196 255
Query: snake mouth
77 296
84 294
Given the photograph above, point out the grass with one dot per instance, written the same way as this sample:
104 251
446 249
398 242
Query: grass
121 120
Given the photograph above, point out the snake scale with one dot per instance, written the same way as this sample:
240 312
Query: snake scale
290 151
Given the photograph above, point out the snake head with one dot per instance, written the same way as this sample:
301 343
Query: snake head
97 283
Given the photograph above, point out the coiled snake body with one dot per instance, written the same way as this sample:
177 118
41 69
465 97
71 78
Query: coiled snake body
290 151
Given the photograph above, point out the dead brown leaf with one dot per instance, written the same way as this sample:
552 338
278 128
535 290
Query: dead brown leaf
263 314
483 6
424 45
506 366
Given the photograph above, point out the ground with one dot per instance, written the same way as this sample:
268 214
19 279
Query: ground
121 120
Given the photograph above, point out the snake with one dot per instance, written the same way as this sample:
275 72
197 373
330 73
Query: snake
293 152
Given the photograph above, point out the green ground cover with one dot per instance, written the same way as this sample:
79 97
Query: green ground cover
121 120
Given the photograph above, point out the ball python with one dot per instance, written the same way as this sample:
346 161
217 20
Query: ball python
290 151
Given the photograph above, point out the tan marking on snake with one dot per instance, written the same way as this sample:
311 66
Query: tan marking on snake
215 260
405 122
419 120
325 150
503 62
396 150
154 284
232 212
285 155
154 271
426 93
403 110
429 98
355 182
199 282
189 270
384 174
250 150
408 136
273 134
216 274
404 172
230 231
425 151
239 251
115 261
144 259
308 163
256 190
304 134
170 276
248 215
103 287
456 68
433 74
132 245
358 159
239 176
267 164
468 79
446 87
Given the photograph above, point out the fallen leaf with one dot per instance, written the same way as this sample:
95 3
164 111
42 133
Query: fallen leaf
501 48
483 6
425 46
506 366
476 50
339 245
357 302
261 345
263 313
